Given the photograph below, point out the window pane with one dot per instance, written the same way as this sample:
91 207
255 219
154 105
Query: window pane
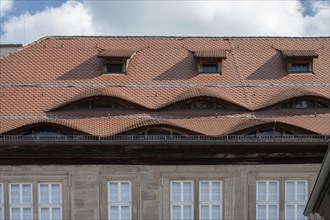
261 212
15 214
27 194
27 214
114 212
56 193
56 214
44 214
300 212
216 214
272 191
14 193
125 192
113 192
205 212
44 193
187 194
289 191
176 191
187 212
272 212
289 212
115 68
125 213
301 191
216 191
1 196
261 191
176 213
204 191
209 68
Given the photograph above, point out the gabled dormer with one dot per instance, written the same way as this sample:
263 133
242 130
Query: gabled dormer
115 61
299 61
210 61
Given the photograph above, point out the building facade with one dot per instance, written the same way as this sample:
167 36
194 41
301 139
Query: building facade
163 127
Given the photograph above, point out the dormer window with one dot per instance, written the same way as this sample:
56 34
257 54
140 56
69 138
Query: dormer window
115 67
209 67
115 61
299 61
209 61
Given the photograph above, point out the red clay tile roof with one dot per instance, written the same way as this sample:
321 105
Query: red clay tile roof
299 53
55 71
116 53
210 54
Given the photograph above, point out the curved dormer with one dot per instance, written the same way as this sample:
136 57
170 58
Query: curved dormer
203 103
303 102
99 102
44 129
276 129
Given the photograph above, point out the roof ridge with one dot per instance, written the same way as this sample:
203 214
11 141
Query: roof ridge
186 37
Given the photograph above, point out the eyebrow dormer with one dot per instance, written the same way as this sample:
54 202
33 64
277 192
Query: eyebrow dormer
115 61
210 61
299 61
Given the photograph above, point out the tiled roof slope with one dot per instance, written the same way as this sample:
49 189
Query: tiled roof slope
57 70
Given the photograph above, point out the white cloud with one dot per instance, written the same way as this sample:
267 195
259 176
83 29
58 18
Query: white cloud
71 18
220 18
179 18
5 6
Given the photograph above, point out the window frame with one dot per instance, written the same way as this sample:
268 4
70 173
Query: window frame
182 203
119 203
300 60
34 178
295 202
217 63
2 212
268 202
210 203
50 205
105 177
281 176
196 176
123 62
21 205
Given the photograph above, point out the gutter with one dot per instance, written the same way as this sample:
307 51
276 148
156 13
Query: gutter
320 186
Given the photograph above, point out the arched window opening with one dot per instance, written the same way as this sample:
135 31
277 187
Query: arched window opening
269 132
303 104
159 132
203 103
100 103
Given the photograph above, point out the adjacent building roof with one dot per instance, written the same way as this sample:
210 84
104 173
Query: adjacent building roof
55 71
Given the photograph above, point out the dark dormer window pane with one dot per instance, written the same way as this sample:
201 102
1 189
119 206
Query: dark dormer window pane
300 67
209 68
303 104
202 105
115 68
102 104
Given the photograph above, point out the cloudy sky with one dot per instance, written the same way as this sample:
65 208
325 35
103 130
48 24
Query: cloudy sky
24 21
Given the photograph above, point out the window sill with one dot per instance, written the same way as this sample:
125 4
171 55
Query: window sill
301 73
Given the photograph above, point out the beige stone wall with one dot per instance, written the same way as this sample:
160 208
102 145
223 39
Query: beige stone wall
85 187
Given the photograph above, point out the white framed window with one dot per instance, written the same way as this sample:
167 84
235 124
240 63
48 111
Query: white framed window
50 201
267 200
209 67
210 200
119 200
182 200
20 201
295 199
1 202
